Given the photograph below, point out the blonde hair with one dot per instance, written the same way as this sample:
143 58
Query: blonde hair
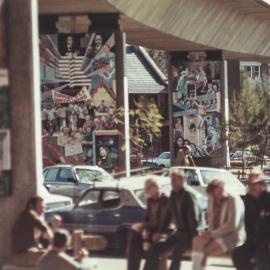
216 183
151 181
178 172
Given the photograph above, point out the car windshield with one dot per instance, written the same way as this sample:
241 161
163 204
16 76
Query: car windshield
165 155
85 175
166 189
229 179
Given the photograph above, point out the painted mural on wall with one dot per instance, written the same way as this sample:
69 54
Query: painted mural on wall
78 96
196 108
5 155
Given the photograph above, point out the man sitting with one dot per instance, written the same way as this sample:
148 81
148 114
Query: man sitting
226 225
56 258
27 232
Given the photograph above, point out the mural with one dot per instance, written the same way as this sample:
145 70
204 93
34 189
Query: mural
78 96
196 105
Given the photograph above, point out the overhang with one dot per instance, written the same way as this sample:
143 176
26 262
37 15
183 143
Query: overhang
241 28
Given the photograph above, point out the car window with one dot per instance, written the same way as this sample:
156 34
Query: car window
85 175
65 175
90 200
227 177
192 177
50 174
111 199
165 155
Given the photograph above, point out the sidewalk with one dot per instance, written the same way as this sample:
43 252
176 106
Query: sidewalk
120 264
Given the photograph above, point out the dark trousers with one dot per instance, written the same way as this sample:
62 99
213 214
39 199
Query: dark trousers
243 255
134 251
178 244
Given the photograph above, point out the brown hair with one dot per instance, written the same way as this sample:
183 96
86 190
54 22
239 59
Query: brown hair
216 183
32 202
178 172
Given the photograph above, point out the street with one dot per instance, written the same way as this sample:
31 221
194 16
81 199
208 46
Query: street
120 264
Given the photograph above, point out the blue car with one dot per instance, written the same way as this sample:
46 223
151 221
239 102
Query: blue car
109 209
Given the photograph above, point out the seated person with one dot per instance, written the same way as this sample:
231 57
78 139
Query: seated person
226 225
56 258
27 231
143 233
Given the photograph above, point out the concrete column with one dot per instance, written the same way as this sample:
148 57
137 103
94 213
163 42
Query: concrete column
23 61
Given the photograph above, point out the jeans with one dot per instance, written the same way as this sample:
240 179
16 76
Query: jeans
260 252
134 251
177 243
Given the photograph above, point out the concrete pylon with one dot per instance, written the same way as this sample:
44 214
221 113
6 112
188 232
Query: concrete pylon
23 65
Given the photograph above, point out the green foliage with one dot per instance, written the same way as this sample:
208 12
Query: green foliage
146 123
250 118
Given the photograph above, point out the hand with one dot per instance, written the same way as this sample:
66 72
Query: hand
206 234
155 237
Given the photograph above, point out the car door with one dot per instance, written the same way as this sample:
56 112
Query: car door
84 214
65 182
49 178
109 216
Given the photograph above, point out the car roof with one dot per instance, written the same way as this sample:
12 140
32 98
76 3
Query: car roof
200 168
75 167
131 183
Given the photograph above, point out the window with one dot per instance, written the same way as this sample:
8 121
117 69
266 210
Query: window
192 178
91 175
90 200
111 199
230 180
65 175
252 71
50 174
165 156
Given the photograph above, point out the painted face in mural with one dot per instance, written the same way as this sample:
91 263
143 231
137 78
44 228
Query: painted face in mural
98 41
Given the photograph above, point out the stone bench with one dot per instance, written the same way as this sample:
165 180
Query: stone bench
163 259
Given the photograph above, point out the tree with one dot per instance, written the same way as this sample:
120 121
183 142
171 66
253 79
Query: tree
146 123
250 118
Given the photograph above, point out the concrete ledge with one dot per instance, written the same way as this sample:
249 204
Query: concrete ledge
15 267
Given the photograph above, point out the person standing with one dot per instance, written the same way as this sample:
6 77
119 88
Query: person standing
184 157
226 228
142 233
184 212
257 221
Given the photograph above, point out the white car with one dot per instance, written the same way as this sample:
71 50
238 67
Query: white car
199 177
162 161
52 201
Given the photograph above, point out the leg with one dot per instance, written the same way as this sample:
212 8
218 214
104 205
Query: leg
242 255
182 244
134 251
152 258
262 256
199 245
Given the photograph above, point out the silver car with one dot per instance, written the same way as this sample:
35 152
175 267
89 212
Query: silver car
72 180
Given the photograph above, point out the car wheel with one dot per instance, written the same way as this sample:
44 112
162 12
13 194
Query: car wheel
161 166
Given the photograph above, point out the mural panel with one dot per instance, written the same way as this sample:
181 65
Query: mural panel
78 95
196 104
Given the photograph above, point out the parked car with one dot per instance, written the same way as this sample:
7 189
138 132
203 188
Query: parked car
199 177
162 161
52 201
249 158
71 180
109 209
